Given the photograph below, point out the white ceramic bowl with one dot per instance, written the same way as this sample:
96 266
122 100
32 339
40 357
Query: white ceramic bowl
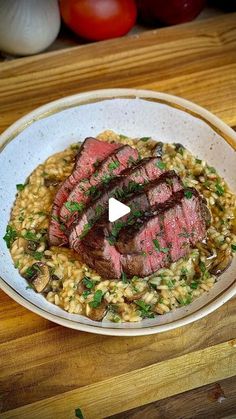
135 113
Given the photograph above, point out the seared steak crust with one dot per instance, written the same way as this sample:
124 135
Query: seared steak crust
91 151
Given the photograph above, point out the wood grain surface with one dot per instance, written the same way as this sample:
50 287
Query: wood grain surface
214 401
48 371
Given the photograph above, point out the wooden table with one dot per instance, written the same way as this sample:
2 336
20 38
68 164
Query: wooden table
48 371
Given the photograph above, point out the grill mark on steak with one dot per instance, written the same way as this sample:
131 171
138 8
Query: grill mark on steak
110 167
131 181
89 153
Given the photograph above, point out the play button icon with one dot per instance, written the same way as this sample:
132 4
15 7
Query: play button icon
116 209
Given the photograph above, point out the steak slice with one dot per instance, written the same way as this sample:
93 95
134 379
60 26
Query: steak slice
165 236
153 242
98 249
110 167
156 192
97 252
91 151
130 182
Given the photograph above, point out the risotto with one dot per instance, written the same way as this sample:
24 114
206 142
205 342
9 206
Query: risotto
75 287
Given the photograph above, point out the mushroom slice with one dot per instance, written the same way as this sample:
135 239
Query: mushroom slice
135 296
98 313
41 277
221 263
51 182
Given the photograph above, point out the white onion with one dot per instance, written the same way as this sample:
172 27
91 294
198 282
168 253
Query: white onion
28 26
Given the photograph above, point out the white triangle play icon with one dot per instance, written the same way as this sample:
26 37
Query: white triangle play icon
116 209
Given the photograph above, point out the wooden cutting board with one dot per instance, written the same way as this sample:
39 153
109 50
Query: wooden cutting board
47 371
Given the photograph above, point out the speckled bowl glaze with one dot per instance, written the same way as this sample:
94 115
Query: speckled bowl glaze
135 113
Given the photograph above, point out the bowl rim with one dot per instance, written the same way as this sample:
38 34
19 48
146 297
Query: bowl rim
96 96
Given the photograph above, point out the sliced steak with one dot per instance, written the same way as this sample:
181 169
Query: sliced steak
110 167
166 236
99 251
91 152
153 242
132 181
156 192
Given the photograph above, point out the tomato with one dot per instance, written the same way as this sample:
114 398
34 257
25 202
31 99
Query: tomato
96 20
169 12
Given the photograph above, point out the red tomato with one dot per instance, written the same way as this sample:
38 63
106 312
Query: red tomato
99 19
169 12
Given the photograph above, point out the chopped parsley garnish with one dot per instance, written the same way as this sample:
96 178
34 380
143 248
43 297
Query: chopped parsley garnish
164 249
115 231
42 213
113 165
119 193
188 194
74 206
145 139
124 278
144 309
30 236
219 189
10 236
202 267
16 264
198 161
62 227
158 248
78 413
97 299
20 187
133 187
193 285
55 218
38 255
21 218
105 180
136 213
122 137
111 240
161 165
85 231
170 283
184 301
94 192
86 293
156 244
115 319
207 183
233 247
29 272
99 210
211 169
88 282
184 273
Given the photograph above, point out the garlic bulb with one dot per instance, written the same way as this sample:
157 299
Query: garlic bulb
28 26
